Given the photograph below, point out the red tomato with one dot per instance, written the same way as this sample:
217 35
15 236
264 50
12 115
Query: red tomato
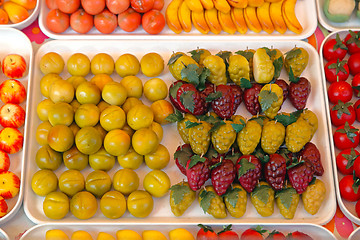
68 6
357 109
334 49
346 189
357 208
251 234
341 113
354 63
51 4
352 42
346 136
355 83
81 21
345 160
340 91
142 6
117 6
275 235
129 20
336 70
228 234
206 233
57 21
158 5
105 22
153 22
356 167
93 7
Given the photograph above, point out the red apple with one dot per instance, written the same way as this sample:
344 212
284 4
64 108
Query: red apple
4 163
14 66
12 91
11 140
9 185
3 207
12 115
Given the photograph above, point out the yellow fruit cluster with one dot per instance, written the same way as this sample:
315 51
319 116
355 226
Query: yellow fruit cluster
233 16
95 123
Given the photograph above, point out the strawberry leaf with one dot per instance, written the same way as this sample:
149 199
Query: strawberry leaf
177 116
259 120
285 119
267 99
278 65
217 125
262 193
286 196
313 180
211 153
178 192
260 154
174 58
270 52
247 54
205 201
187 100
196 159
245 167
233 157
173 90
190 72
245 83
208 118
183 155
292 77
189 124
232 196
213 96
293 53
237 126
205 72
196 54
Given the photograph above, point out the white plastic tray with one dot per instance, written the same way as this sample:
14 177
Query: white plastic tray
162 212
33 14
39 231
348 208
352 23
355 234
3 235
305 12
14 41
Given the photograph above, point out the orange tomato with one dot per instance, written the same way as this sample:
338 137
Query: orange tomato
57 21
4 18
129 20
158 5
81 21
105 22
68 6
117 6
153 22
93 7
51 4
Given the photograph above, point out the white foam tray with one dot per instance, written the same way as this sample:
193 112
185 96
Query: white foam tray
39 231
305 12
14 41
33 14
352 23
3 235
348 208
162 212
355 234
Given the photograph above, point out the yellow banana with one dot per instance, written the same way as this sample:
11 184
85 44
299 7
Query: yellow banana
263 14
222 6
255 3
194 5
171 15
238 3
198 19
251 19
226 22
277 16
288 12
184 15
207 4
211 17
237 15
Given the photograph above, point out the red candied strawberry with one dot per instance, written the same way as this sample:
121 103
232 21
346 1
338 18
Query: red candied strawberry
209 88
275 171
248 168
250 98
298 235
222 175
182 155
284 86
224 101
174 87
190 100
197 171
275 235
237 95
312 154
299 91
300 175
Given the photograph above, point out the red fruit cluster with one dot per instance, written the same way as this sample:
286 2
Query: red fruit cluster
105 15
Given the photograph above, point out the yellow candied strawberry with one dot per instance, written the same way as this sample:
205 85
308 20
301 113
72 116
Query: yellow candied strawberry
270 99
181 127
296 59
181 198
238 119
172 60
212 203
263 66
297 135
199 55
199 137
287 201
263 199
217 69
238 68
314 196
273 134
235 200
223 137
249 137
311 119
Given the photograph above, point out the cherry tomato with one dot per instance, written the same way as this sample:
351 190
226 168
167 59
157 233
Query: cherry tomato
57 21
153 22
81 21
336 70
51 4
105 22
228 235
117 6
346 189
343 159
357 208
142 6
357 109
352 42
93 7
340 91
346 136
251 234
341 113
129 20
158 5
356 167
275 235
68 6
355 83
354 63
206 233
334 49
